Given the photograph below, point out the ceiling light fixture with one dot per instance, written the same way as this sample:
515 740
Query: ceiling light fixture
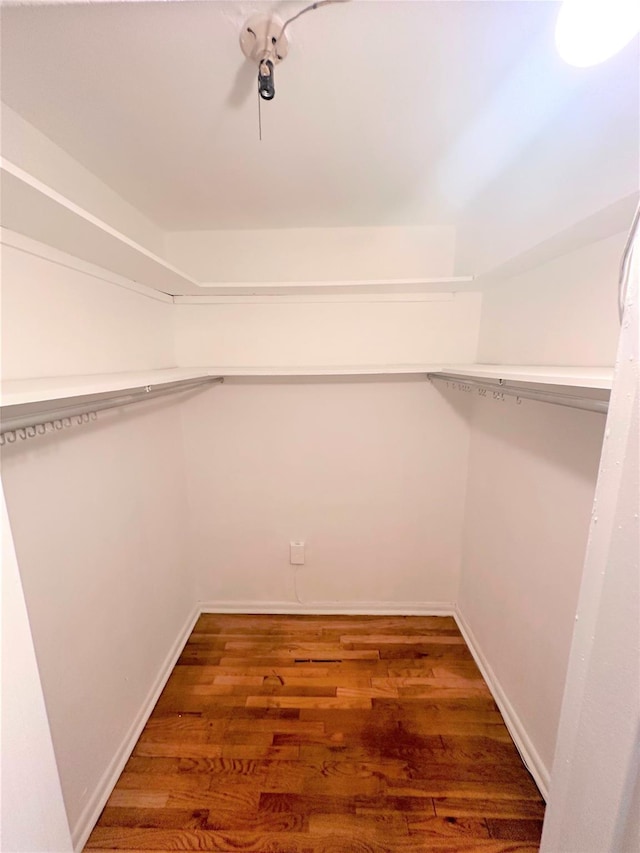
590 31
263 40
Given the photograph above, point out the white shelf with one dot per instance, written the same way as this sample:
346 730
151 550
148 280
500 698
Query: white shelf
331 370
412 289
32 208
565 376
16 392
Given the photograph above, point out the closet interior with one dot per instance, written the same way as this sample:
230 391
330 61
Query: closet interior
388 329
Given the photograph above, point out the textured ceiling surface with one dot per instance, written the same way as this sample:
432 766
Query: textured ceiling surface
386 113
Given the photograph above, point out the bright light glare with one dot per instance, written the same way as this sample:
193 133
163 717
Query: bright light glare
590 31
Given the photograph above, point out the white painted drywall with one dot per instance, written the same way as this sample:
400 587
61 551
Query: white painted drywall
532 470
32 815
60 321
563 312
532 474
313 254
99 520
27 147
98 514
595 782
348 333
370 474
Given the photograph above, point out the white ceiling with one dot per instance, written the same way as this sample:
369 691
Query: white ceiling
386 113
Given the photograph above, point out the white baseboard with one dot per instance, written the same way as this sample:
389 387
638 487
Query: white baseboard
334 608
525 747
90 814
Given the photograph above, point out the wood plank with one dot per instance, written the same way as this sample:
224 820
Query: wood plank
428 828
294 671
466 807
429 681
401 639
299 804
152 764
251 680
178 750
422 806
160 840
163 781
514 829
176 727
319 702
368 692
278 726
237 799
333 681
141 799
494 789
154 818
358 826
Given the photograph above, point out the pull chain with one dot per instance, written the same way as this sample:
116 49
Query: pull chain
259 118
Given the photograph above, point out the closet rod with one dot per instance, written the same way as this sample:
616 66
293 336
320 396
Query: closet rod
499 387
49 413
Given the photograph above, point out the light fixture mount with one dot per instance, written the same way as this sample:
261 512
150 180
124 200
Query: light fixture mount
262 38
263 41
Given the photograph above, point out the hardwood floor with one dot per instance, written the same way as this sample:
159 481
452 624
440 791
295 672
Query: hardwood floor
305 734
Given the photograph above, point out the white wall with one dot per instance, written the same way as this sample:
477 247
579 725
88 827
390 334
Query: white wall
532 475
563 312
333 333
99 520
370 474
313 254
62 317
532 470
99 517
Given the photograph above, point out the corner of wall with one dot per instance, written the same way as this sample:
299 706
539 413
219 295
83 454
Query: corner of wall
92 810
517 729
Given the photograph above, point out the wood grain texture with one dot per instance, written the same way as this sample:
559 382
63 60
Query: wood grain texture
309 734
